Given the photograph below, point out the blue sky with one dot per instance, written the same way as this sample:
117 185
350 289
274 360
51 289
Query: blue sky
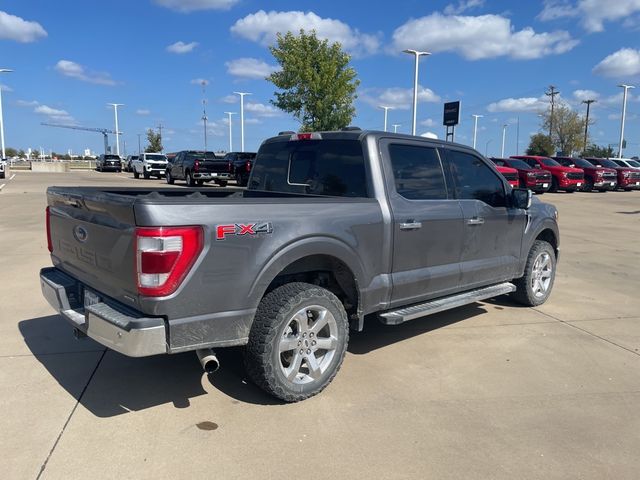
71 58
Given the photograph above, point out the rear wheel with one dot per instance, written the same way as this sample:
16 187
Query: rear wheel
534 287
200 182
222 183
297 342
189 179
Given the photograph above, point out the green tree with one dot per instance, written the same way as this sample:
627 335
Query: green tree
317 84
10 152
567 133
597 151
540 144
154 142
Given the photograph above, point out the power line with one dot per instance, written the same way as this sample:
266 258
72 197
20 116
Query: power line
552 92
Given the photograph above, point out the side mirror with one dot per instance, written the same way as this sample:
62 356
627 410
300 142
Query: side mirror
521 198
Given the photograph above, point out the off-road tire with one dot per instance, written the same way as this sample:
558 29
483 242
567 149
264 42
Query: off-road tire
169 178
135 173
524 293
275 311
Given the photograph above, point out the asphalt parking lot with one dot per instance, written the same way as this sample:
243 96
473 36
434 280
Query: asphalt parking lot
491 390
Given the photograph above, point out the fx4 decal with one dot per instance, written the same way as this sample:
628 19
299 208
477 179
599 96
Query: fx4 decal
242 229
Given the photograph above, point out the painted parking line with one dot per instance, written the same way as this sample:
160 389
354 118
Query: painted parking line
2 186
11 178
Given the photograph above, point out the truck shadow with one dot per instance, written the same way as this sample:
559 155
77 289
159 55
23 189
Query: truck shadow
377 335
122 384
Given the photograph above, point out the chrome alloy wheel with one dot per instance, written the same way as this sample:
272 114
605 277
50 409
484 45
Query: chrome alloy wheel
308 344
541 275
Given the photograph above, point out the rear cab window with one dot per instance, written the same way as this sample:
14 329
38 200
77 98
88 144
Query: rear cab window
327 167
417 172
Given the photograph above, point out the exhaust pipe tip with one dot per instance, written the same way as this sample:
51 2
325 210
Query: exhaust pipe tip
208 360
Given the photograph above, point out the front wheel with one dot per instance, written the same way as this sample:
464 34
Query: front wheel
554 185
588 185
146 175
534 287
169 178
136 174
297 341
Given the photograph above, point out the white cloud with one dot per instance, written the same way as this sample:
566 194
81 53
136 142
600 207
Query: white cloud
262 110
250 68
261 27
581 95
229 99
396 97
623 63
27 103
75 70
593 13
181 47
54 114
475 38
462 6
186 6
199 81
524 104
250 121
429 122
143 111
19 30
5 88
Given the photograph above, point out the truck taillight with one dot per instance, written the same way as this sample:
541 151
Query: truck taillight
164 256
305 136
247 166
48 222
229 167
196 165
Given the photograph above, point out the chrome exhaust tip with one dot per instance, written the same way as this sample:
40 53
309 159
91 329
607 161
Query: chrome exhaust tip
208 360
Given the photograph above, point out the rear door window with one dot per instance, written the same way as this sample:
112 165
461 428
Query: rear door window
417 172
315 167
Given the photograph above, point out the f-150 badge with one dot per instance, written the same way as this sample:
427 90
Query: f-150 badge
242 229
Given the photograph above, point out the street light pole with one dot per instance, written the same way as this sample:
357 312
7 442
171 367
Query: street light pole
242 94
139 143
204 115
486 147
417 55
475 127
395 127
504 133
386 109
115 111
230 131
624 113
2 70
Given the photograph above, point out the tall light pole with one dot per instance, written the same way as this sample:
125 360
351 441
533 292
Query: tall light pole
395 127
204 115
242 94
115 111
486 147
624 113
504 133
417 55
139 143
386 109
230 131
475 127
2 70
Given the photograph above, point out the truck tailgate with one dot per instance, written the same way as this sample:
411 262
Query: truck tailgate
93 239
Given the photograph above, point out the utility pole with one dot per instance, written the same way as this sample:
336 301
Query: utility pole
417 54
242 94
395 127
586 122
504 133
139 150
230 131
115 112
204 116
475 127
624 113
160 132
552 92
386 109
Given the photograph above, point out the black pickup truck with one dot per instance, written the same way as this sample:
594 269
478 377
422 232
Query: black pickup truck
198 167
333 227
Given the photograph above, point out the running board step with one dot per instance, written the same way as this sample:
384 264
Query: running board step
402 315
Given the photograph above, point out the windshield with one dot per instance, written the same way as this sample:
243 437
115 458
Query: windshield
202 155
157 158
316 167
634 163
608 163
550 162
579 162
519 164
111 157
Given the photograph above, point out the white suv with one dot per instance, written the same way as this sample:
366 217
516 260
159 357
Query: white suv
149 164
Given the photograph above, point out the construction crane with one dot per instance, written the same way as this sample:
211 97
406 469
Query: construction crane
103 131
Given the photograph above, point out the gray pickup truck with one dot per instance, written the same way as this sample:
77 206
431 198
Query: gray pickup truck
333 227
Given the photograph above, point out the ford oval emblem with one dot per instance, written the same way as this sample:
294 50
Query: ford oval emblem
80 233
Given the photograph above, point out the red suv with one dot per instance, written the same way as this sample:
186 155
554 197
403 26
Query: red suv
597 178
511 174
562 178
628 178
534 179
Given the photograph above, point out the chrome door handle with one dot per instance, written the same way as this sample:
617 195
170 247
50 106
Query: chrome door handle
475 221
410 226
